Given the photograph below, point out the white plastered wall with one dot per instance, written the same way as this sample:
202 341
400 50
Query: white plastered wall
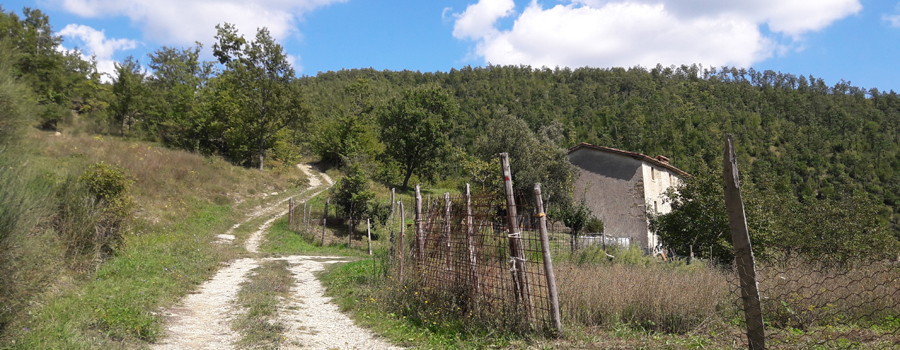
657 181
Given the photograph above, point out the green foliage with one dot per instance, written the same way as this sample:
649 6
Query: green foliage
415 129
532 158
60 79
94 210
352 195
594 225
844 229
263 86
130 93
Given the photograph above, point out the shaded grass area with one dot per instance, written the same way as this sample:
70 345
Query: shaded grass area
267 286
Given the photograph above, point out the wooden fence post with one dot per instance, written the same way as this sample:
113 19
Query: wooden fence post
308 214
743 252
323 231
369 234
448 260
420 231
291 213
516 249
402 234
548 261
470 244
349 231
392 203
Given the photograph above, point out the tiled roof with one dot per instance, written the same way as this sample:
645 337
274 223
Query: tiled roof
659 161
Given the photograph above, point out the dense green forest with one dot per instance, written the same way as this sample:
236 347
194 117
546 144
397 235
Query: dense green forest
797 136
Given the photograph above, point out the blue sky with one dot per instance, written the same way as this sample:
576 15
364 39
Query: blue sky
854 40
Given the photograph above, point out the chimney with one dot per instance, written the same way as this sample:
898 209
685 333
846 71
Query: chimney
663 159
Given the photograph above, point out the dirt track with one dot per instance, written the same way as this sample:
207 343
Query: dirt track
203 319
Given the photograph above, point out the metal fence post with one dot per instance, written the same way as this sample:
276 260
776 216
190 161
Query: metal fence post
548 261
743 252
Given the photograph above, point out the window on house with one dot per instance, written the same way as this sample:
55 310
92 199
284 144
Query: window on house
655 208
652 173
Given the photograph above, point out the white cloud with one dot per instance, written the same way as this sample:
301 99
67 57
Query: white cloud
294 61
626 33
894 20
94 43
182 22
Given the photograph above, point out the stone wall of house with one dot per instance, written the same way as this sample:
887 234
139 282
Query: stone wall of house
614 188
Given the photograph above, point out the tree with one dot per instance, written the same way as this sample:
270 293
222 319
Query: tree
263 80
533 159
415 129
351 194
130 93
351 134
178 76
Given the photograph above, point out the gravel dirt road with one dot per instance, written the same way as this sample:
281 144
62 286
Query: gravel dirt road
202 320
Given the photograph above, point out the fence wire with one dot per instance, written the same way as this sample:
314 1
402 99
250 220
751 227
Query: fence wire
469 257
834 299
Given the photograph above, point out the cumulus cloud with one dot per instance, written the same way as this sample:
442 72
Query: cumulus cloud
93 43
644 32
181 22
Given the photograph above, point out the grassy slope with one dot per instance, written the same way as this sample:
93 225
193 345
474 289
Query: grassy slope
183 201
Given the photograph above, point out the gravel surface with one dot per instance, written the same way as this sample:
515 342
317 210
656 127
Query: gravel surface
313 321
203 321
203 318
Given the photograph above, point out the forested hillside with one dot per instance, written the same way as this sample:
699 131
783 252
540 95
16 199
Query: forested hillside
795 132
796 135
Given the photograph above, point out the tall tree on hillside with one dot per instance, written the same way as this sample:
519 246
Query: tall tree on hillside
264 82
415 129
130 93
178 75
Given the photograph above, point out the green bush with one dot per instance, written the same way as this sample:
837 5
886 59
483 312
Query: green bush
93 211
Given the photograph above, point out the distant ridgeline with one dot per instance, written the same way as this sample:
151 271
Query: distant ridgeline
796 133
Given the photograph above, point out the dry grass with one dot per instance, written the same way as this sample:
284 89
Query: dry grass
657 297
802 295
164 177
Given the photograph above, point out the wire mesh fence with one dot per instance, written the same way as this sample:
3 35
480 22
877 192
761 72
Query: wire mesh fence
466 252
812 298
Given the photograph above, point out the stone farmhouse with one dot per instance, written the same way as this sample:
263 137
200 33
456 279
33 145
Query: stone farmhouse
620 187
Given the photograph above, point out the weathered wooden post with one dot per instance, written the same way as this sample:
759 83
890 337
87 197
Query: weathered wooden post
516 248
420 231
369 235
743 252
327 199
291 213
349 231
402 234
448 260
392 203
308 215
548 261
323 231
470 244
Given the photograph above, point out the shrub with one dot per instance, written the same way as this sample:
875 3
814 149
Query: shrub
94 210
